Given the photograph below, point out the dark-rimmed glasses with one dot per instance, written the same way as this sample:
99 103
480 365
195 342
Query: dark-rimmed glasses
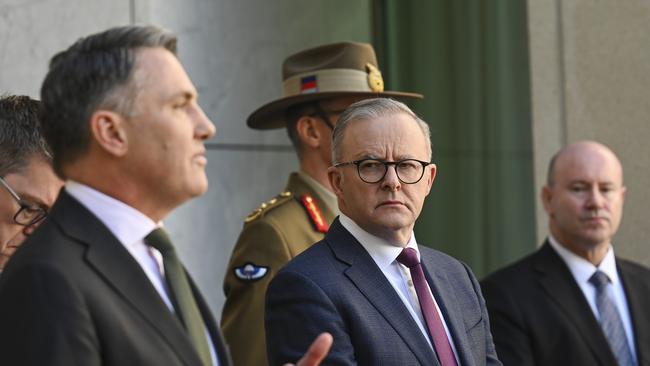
409 171
28 214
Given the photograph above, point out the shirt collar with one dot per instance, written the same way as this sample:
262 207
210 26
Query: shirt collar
328 197
381 251
581 268
128 225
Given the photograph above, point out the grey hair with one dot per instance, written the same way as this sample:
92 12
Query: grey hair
96 72
20 133
369 109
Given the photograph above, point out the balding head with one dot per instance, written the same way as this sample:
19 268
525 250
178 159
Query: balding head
582 150
584 198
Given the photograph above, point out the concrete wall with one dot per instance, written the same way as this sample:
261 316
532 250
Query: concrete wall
590 66
233 50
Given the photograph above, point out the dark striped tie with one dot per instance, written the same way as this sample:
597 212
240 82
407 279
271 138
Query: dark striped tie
610 320
181 293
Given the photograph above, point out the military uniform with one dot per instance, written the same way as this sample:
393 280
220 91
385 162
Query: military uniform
273 234
289 223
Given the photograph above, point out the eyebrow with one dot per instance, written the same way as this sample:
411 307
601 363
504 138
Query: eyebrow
28 198
185 95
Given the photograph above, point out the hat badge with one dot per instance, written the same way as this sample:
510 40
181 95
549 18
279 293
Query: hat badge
375 81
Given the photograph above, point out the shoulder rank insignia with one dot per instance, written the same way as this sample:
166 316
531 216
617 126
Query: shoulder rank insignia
249 272
273 202
315 213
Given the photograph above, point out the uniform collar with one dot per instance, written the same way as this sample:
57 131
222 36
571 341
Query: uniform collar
325 194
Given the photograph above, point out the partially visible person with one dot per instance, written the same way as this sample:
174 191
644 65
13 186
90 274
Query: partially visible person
28 183
385 298
319 83
573 302
99 283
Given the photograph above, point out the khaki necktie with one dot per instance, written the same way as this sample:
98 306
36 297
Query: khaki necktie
181 293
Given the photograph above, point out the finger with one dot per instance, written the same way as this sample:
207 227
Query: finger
317 351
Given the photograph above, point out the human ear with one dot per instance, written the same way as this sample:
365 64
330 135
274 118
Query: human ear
335 178
308 133
108 131
430 175
546 196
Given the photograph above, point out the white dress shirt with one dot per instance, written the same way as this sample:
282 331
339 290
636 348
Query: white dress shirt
130 227
398 275
582 270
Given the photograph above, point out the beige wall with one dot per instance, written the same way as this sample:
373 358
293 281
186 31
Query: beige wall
233 51
590 70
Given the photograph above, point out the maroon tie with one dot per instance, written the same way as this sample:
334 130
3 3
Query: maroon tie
409 258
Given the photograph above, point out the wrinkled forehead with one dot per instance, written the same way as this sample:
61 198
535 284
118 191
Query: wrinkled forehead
391 137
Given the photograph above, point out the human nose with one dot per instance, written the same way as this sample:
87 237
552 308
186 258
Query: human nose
204 128
596 199
391 181
29 229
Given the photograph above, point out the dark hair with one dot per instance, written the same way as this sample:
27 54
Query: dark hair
95 72
20 133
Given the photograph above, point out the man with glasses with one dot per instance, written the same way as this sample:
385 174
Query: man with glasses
385 299
29 185
319 83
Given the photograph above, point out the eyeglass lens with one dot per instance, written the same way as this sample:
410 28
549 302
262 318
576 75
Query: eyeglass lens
408 171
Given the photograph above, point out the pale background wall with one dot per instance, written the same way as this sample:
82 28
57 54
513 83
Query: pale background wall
232 49
590 70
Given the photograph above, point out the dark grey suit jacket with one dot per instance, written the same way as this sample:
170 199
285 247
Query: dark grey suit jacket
539 315
73 295
336 286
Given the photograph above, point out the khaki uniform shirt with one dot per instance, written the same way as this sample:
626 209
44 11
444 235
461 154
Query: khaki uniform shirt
273 234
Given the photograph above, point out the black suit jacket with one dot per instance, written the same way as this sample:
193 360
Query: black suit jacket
73 295
336 286
539 315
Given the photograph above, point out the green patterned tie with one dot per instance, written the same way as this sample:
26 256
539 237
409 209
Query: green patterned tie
181 293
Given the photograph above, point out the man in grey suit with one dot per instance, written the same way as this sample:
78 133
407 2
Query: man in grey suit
384 298
99 282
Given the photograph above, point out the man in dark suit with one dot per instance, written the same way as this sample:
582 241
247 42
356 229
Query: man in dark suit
573 302
28 183
99 283
385 299
319 83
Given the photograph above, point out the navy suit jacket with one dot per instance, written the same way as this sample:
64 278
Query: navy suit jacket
73 295
540 316
335 286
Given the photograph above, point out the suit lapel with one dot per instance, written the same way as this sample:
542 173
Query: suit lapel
558 283
638 302
108 257
446 298
374 286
